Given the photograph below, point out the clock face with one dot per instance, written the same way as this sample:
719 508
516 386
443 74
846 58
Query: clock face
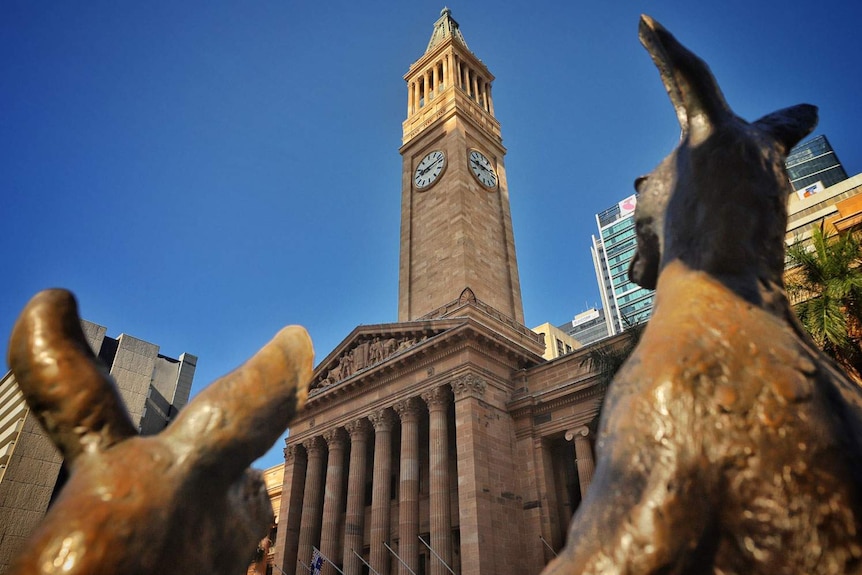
482 169
429 169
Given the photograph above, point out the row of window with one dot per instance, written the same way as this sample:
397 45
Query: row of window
829 177
806 150
618 250
622 225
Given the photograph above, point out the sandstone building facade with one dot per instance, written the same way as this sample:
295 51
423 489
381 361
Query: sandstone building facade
445 440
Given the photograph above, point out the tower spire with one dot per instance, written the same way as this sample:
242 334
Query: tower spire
445 27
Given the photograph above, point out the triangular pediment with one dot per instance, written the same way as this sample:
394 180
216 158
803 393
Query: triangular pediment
372 348
368 346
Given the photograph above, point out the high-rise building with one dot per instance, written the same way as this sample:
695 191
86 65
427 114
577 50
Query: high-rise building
812 162
445 440
587 327
625 303
153 387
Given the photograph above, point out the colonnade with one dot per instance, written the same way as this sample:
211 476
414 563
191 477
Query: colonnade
326 495
322 461
449 70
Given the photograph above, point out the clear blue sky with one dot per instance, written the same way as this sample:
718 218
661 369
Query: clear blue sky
202 173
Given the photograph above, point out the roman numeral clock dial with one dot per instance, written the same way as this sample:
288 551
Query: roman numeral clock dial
482 169
429 169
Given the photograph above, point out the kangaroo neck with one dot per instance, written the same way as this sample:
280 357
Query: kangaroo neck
680 284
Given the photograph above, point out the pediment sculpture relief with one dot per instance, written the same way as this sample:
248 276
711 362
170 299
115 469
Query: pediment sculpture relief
367 352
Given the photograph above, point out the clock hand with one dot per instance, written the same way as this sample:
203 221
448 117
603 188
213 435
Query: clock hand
433 164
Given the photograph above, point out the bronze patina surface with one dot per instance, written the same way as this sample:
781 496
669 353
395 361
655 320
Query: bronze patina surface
729 443
181 502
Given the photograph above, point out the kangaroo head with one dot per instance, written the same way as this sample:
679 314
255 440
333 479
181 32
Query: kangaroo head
718 201
182 501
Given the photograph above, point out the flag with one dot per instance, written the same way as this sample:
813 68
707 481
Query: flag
316 561
628 205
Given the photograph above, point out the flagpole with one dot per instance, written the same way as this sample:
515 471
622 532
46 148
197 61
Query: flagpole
301 562
446 565
325 558
370 568
548 546
406 566
279 568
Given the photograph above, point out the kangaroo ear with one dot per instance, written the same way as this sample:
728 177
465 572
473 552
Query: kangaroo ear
65 385
236 419
693 91
789 125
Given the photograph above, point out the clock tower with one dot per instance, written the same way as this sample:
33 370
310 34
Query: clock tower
456 224
444 442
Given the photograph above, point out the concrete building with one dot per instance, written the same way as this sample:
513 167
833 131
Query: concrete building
557 342
445 438
625 303
154 387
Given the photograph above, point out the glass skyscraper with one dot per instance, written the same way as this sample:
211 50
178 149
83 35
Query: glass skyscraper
625 302
814 161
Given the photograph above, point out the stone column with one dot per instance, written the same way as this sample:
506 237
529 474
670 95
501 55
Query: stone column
410 99
490 100
332 499
408 504
354 521
583 456
475 84
293 486
381 492
309 531
441 514
436 78
477 508
429 88
447 78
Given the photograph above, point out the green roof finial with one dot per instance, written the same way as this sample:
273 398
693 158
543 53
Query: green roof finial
445 27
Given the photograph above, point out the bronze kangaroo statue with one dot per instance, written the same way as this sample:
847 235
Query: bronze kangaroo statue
180 502
728 442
